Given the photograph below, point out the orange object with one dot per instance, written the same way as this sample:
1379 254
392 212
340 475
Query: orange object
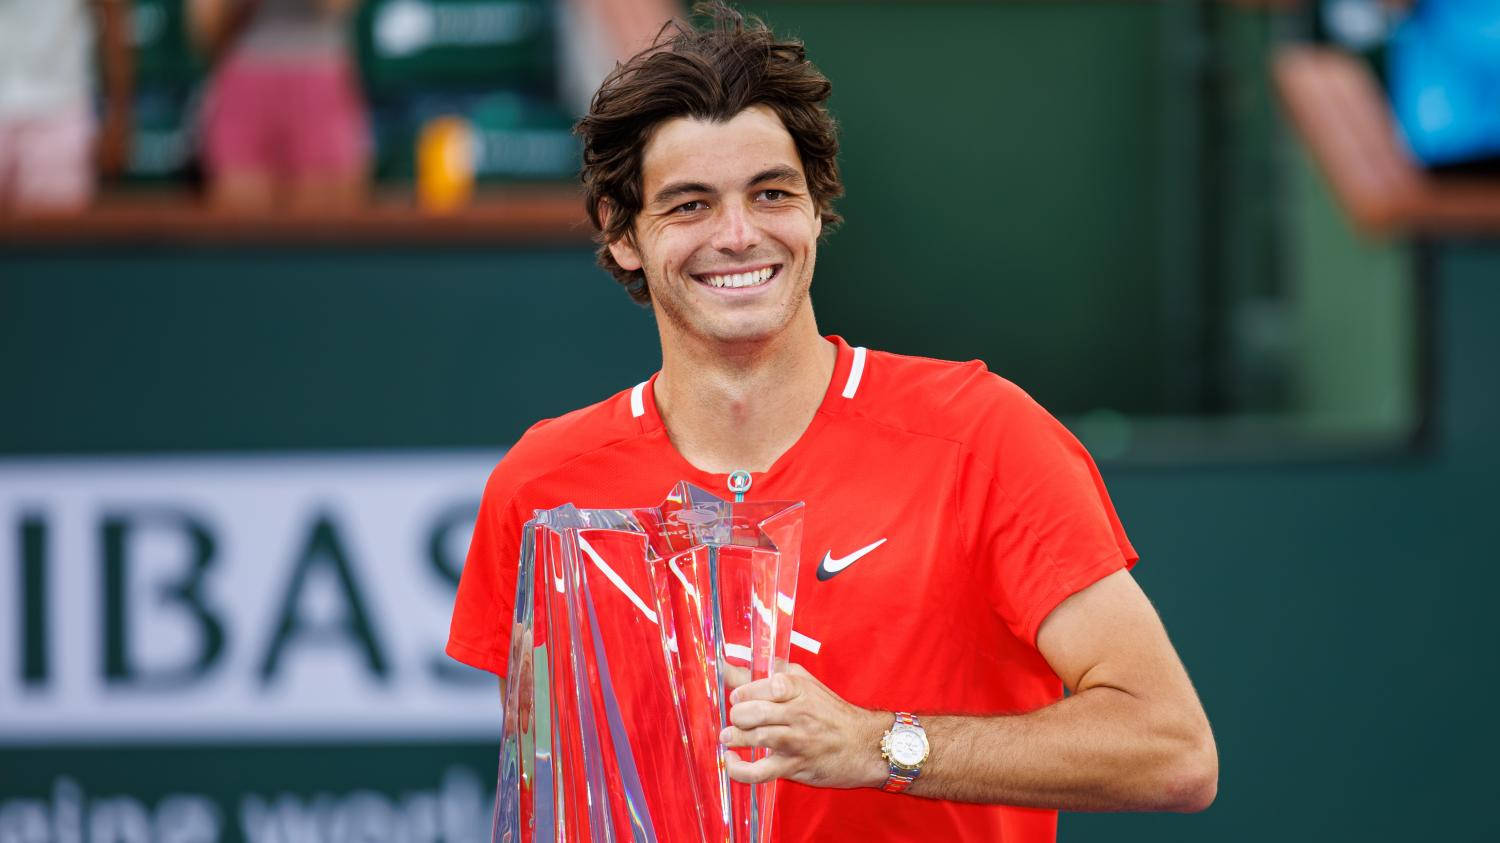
447 151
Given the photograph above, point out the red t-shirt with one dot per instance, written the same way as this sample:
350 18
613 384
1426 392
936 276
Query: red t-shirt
947 515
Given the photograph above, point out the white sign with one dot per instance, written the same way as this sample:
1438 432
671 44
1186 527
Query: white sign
296 596
405 27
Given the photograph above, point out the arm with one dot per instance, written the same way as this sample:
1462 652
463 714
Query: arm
215 25
1132 736
339 8
117 64
206 20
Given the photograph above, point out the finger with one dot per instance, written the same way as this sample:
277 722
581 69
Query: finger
755 772
752 714
734 675
778 687
800 672
765 737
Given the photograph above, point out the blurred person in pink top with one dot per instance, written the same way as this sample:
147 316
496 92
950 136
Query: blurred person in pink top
284 122
49 131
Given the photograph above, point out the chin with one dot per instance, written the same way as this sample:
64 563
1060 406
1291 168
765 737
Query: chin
711 322
740 335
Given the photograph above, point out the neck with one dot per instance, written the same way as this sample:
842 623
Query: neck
741 406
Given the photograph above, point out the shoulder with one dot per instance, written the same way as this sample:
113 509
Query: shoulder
961 401
551 444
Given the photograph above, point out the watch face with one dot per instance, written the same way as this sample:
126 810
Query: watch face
907 747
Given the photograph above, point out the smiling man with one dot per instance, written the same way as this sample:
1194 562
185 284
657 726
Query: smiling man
969 562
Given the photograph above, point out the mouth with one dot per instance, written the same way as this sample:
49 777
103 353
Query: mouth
740 279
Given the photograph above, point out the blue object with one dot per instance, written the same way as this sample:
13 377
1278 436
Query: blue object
1444 72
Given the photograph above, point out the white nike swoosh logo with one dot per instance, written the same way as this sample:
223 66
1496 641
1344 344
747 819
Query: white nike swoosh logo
830 566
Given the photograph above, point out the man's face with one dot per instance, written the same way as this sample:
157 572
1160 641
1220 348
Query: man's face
728 231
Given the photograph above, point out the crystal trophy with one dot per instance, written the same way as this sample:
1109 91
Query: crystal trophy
631 628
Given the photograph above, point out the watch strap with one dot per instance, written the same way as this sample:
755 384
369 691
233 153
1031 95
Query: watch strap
897 782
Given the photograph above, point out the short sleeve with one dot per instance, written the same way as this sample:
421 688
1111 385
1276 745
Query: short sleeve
1043 526
483 611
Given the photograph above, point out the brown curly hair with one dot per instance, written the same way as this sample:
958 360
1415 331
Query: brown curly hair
712 73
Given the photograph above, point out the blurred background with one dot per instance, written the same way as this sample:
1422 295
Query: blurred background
280 280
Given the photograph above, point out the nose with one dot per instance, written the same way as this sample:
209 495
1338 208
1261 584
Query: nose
736 231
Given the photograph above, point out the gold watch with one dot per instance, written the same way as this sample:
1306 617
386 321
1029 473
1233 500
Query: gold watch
904 748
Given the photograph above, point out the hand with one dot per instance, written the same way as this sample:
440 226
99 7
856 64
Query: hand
815 737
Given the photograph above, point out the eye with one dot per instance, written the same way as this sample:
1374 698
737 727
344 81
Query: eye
772 194
689 207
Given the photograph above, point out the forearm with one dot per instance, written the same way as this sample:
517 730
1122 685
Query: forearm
1102 749
1132 737
117 65
207 21
339 8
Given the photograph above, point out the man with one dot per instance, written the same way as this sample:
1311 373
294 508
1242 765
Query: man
962 561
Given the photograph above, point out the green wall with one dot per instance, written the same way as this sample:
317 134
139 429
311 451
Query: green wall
1002 165
147 349
1337 618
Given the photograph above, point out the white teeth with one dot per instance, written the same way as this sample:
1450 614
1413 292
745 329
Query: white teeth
741 279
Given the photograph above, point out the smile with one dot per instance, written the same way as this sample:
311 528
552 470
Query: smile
747 278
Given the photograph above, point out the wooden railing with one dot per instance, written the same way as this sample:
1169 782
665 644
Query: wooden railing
522 215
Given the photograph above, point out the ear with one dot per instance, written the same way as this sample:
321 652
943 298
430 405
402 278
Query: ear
623 249
625 254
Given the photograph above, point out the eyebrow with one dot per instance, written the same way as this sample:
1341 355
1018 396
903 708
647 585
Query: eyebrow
676 189
780 173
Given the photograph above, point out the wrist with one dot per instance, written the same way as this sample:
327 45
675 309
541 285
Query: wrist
873 767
